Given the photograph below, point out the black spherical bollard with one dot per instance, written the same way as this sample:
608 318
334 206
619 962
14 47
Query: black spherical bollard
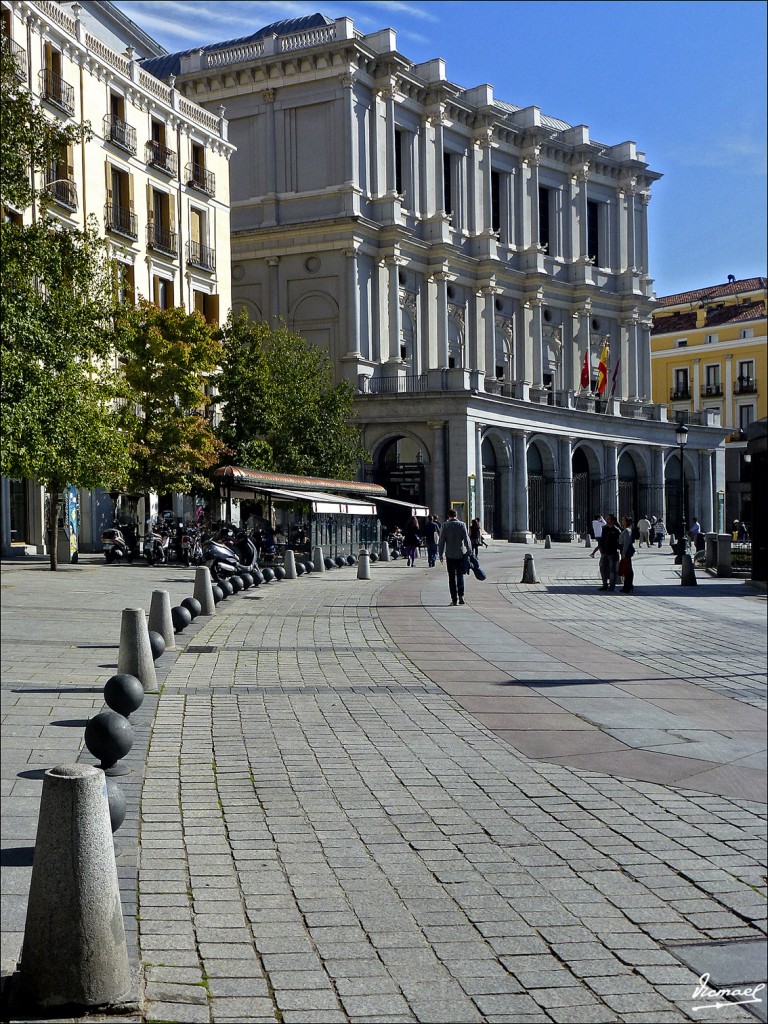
268 574
300 570
351 560
227 588
279 572
340 561
247 580
374 557
218 593
116 799
237 584
109 737
258 579
395 555
156 644
309 565
124 693
180 618
329 563
193 606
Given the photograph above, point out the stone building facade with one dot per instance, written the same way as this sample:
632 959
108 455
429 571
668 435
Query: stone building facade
464 262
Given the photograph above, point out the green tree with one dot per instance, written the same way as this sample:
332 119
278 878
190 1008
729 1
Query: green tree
281 409
167 356
58 311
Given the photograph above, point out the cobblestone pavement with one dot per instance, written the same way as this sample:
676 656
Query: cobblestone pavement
341 820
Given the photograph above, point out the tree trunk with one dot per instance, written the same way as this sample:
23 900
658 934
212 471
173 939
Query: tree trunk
53 524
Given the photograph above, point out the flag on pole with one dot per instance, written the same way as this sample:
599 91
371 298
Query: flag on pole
615 377
602 370
585 370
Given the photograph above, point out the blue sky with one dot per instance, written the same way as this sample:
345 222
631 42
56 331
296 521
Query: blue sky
684 80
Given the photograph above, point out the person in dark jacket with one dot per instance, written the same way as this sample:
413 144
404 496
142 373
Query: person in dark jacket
432 534
454 544
412 540
609 552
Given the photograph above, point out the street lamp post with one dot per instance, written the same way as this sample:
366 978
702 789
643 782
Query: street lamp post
681 434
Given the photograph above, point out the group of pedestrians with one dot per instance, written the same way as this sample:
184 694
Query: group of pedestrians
450 542
616 548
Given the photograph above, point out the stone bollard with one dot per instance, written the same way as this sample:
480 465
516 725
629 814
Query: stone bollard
529 571
74 951
364 566
384 551
317 559
588 542
203 591
688 573
160 620
289 564
547 542
135 656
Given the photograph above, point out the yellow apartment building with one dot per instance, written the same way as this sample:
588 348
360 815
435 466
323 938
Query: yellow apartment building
155 174
708 352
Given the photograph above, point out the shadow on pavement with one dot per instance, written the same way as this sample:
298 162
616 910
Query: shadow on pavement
60 689
17 857
71 723
703 589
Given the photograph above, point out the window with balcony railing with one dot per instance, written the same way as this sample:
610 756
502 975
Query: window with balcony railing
160 238
55 90
745 386
62 189
19 55
680 394
161 158
119 133
196 176
121 219
712 391
200 255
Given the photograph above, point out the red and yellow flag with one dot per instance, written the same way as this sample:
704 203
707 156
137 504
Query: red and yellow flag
602 370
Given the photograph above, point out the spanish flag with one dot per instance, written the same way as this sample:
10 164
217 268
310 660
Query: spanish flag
602 370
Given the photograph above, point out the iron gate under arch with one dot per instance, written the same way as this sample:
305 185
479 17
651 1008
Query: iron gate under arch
539 505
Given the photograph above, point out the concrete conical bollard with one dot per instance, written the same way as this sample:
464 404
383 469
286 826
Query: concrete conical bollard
203 591
588 542
74 949
384 551
289 564
318 559
547 541
160 620
364 566
529 570
135 651
688 573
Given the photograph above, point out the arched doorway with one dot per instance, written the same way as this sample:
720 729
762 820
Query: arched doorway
491 490
672 495
399 468
539 495
629 492
586 492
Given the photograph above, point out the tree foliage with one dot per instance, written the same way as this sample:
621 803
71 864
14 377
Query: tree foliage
166 356
282 411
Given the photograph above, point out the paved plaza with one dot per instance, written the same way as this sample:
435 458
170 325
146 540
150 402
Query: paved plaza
353 802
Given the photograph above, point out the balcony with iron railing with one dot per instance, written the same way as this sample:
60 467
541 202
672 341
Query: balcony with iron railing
122 220
712 391
680 394
397 385
56 91
19 55
745 386
161 158
196 176
199 255
119 133
162 239
62 190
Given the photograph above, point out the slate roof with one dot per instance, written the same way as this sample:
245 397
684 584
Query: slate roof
680 323
170 64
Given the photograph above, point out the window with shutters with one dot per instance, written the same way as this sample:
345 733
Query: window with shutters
60 178
199 253
162 292
119 213
161 222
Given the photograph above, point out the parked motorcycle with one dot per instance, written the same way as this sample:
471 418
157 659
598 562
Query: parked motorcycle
119 542
157 543
228 553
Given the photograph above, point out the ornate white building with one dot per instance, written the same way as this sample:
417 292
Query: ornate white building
460 258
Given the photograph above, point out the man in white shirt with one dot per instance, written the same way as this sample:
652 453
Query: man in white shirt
597 529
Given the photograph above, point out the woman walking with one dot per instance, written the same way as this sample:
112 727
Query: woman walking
476 536
412 540
627 550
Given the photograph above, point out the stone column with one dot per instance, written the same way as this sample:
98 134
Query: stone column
566 489
350 135
353 305
486 303
388 95
381 318
622 391
644 359
537 341
270 159
438 165
529 185
273 274
394 315
634 368
526 359
611 478
479 471
706 499
581 211
657 495
642 241
441 280
439 475
520 530
696 385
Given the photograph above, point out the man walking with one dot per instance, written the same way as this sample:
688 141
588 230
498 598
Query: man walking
597 529
454 544
644 526
609 553
432 534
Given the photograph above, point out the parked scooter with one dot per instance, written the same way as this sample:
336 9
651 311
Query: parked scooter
119 543
157 544
229 553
